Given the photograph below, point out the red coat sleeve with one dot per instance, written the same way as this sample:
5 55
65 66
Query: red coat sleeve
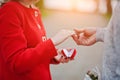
53 61
13 44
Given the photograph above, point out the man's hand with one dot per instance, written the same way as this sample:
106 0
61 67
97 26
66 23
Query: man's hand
85 36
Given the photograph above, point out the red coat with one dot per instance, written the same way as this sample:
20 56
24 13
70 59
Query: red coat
25 54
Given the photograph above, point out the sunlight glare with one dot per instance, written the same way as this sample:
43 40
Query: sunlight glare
79 5
86 5
58 4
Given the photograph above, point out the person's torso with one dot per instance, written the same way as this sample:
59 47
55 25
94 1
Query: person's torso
111 53
34 32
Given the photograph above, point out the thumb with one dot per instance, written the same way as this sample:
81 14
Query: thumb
78 31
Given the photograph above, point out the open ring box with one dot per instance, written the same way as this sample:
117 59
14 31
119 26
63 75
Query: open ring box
69 53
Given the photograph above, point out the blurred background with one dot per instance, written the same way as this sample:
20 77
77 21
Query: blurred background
70 14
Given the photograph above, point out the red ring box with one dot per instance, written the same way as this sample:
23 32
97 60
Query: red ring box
69 53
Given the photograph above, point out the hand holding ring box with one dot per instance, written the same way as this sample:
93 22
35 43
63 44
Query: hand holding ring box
69 53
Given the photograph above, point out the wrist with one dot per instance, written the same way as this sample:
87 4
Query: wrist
54 42
100 34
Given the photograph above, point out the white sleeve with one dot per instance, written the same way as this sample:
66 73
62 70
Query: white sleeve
116 24
100 34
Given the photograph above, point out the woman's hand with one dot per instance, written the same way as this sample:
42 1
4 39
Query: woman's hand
62 36
61 58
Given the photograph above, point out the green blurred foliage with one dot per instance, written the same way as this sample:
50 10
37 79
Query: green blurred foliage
107 16
40 5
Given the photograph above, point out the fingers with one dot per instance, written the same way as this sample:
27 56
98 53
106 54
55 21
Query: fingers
81 39
85 39
71 32
76 39
88 31
67 32
61 36
61 58
92 40
88 41
64 59
85 36
78 31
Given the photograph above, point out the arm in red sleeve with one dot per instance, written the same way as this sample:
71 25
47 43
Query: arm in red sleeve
13 44
54 61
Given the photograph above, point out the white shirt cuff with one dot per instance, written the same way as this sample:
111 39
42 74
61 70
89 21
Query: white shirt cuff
100 34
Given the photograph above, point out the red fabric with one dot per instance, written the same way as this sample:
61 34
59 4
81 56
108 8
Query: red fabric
24 52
